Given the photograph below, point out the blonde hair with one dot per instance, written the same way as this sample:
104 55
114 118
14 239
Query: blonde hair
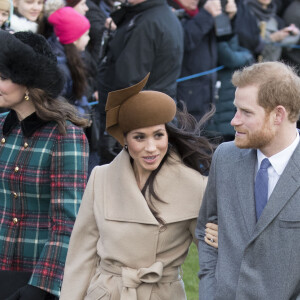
5 5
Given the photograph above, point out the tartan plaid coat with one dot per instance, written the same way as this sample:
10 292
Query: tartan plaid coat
43 176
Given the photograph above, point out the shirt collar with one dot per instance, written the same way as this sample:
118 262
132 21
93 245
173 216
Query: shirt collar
29 125
280 159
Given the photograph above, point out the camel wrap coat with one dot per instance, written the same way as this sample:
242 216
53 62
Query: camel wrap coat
118 250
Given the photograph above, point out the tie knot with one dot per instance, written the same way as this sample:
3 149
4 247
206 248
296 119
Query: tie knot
265 164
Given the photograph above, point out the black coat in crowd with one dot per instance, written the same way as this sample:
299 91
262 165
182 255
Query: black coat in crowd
200 54
149 38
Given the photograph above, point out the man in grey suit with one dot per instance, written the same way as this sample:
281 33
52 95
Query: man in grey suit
257 208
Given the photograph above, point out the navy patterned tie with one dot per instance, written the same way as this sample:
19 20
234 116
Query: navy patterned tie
261 187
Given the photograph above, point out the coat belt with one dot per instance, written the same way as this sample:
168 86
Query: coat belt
133 278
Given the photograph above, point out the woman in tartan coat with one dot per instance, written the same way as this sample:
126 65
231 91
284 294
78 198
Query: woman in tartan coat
43 161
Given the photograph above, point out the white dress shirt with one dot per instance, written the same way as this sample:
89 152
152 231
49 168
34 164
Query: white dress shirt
278 163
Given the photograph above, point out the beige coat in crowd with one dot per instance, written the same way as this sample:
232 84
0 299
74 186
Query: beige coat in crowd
118 250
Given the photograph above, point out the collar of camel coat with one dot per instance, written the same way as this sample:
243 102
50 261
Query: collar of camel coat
180 187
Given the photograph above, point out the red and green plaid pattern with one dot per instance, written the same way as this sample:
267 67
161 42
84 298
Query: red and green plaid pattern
40 200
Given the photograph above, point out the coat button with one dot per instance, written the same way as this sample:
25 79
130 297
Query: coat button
17 169
15 195
162 227
15 220
25 145
3 141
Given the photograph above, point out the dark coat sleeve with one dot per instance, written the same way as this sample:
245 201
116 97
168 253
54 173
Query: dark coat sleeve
97 19
195 29
245 26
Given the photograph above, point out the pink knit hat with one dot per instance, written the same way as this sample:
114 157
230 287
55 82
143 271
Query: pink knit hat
68 24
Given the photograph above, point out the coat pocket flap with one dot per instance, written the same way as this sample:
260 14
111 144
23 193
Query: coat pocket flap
289 223
97 293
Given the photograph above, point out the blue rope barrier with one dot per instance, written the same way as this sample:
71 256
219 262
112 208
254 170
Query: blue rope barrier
200 74
93 103
284 45
183 78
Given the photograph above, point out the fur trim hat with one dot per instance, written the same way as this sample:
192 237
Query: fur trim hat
26 58
5 5
68 24
131 108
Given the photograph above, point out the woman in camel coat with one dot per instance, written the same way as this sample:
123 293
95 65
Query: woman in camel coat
138 214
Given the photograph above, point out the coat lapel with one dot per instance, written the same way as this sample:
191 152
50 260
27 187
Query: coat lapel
287 185
245 169
122 197
180 187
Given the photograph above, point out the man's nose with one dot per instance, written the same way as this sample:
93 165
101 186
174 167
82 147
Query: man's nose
236 119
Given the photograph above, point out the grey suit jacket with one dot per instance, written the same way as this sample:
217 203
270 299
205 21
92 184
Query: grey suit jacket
254 260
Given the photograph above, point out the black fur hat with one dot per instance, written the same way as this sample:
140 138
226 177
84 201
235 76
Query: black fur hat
26 58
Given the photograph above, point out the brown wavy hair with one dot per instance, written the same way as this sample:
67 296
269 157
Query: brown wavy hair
77 69
57 110
195 149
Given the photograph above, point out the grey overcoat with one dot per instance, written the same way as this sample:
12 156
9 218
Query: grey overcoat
255 261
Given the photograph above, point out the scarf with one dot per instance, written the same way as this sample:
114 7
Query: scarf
260 13
191 13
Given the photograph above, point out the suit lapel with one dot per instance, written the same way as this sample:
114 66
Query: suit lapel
287 185
245 168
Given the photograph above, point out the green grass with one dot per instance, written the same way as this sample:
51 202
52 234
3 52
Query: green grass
190 271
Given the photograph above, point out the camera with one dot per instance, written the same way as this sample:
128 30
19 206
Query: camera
222 22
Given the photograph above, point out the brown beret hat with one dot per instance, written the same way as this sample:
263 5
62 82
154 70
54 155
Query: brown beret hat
130 108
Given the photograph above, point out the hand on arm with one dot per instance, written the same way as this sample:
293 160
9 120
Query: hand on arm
208 256
211 234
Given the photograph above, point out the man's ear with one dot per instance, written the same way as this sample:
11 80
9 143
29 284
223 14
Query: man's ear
280 114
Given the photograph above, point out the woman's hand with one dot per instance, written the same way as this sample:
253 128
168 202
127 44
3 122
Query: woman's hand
211 234
110 24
